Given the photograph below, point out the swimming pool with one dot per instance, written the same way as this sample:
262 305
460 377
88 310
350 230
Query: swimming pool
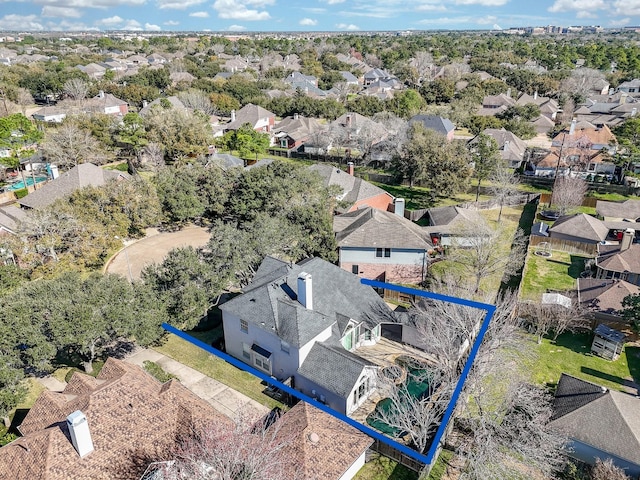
20 185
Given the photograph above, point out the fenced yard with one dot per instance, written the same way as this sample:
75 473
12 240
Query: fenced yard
556 273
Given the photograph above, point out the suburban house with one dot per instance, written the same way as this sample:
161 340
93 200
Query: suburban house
630 86
303 324
627 211
107 104
603 298
305 83
580 228
171 102
68 182
436 123
446 224
600 423
107 427
382 246
51 114
10 217
511 148
356 192
494 104
291 132
620 261
377 74
322 447
261 120
548 106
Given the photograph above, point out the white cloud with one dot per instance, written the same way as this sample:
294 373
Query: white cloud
497 27
62 12
151 27
199 14
484 3
334 2
237 9
111 21
308 21
20 22
314 10
171 23
620 23
345 26
236 28
585 14
628 7
446 20
178 4
132 25
577 5
90 3
489 19
431 8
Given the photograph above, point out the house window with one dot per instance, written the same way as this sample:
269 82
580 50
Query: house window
244 326
284 346
246 351
360 392
355 269
378 252
261 358
367 334
387 252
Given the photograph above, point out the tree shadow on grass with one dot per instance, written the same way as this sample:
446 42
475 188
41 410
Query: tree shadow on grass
576 342
611 378
577 266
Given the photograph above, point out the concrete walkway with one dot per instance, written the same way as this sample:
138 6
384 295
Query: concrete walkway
222 397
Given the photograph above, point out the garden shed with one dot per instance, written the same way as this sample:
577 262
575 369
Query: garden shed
607 342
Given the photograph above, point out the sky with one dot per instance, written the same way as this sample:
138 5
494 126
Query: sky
310 15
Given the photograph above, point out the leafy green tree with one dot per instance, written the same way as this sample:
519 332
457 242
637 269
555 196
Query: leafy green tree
178 194
628 137
427 157
12 388
485 157
245 140
132 133
441 90
18 134
631 309
406 104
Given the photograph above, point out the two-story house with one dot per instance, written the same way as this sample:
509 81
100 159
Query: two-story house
303 323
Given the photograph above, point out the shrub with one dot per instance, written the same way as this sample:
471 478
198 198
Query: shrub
156 371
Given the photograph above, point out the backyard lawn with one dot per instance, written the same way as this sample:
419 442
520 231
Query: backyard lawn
382 468
571 354
557 273
194 357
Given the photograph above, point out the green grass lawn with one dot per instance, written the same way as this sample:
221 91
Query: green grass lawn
195 357
571 354
559 272
382 468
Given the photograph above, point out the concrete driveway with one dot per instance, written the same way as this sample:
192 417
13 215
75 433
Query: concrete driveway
136 255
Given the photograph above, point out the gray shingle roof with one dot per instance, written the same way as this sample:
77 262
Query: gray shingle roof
605 419
605 295
452 216
629 209
78 177
580 225
617 261
250 114
320 368
355 189
370 227
434 122
270 301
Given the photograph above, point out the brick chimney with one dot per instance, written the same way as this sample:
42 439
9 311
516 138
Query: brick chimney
305 290
350 168
80 434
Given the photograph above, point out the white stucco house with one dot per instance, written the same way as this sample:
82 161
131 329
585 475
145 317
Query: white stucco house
303 323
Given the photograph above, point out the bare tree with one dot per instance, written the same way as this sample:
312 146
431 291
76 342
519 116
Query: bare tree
568 193
76 88
504 184
607 470
582 81
454 71
152 155
197 100
245 449
217 48
24 99
423 63
505 435
543 319
415 416
70 145
476 249
46 232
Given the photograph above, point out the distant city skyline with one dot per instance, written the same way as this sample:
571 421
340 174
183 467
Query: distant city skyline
311 15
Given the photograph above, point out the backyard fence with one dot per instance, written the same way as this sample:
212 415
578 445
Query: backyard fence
568 246
396 455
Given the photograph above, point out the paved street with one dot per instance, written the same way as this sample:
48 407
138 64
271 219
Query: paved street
130 261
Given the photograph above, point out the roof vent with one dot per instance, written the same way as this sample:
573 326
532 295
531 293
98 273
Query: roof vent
313 437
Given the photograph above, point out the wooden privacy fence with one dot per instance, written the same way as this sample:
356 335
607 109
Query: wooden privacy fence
568 246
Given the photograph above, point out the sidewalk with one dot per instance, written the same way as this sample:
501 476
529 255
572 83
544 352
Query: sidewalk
222 397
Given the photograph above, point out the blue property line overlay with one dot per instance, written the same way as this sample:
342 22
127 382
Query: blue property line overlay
430 456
